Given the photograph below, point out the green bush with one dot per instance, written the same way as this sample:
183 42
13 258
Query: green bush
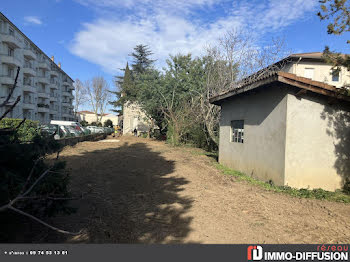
84 123
26 132
96 124
108 123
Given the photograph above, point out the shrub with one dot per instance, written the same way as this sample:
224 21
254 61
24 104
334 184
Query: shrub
108 123
84 123
26 132
96 124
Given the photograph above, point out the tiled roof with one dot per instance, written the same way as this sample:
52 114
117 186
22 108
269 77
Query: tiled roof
283 77
85 112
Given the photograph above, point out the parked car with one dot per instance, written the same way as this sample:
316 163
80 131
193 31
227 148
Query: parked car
86 131
93 129
66 132
76 125
51 130
100 130
74 132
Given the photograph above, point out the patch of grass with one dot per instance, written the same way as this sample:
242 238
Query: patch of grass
201 152
337 196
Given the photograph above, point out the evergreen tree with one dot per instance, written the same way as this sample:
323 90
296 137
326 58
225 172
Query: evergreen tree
141 60
126 91
339 11
126 84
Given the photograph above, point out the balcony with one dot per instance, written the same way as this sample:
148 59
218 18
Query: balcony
7 80
66 103
27 87
28 114
53 86
43 95
67 115
65 93
43 65
54 73
27 104
53 97
11 40
43 108
10 60
28 70
10 102
68 84
29 54
53 108
43 80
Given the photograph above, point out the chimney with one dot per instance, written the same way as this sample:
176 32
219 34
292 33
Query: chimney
53 58
59 64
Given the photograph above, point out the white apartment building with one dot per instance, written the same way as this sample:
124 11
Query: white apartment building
45 89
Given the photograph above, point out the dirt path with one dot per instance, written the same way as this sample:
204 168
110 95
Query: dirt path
147 192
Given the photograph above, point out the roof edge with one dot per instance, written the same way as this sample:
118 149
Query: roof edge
289 79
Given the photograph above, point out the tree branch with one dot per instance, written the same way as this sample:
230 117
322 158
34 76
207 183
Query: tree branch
11 108
42 222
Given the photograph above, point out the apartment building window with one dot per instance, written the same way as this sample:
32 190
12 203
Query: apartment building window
27 63
309 73
335 75
237 131
27 99
11 31
10 71
42 88
41 72
27 81
26 44
10 51
4 91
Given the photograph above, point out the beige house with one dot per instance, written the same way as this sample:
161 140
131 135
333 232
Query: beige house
134 117
287 128
312 66
91 117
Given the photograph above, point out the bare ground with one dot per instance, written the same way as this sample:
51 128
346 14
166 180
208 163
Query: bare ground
145 191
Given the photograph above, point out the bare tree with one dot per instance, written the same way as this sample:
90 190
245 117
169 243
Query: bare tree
235 61
98 94
80 95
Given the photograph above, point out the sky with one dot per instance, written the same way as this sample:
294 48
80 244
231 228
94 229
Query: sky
94 37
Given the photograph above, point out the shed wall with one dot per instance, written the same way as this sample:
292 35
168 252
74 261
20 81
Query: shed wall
263 151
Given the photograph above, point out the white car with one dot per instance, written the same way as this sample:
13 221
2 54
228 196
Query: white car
93 129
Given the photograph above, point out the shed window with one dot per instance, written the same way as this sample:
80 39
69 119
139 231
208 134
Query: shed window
237 131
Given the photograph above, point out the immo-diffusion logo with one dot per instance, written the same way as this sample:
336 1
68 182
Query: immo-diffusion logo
323 253
255 253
